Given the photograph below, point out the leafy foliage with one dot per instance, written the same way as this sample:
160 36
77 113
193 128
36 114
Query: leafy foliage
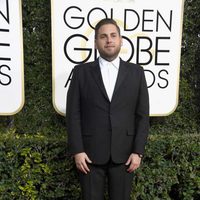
38 167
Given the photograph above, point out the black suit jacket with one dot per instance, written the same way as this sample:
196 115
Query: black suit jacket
105 129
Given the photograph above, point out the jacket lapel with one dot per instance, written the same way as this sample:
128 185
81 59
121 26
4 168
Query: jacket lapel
96 73
121 76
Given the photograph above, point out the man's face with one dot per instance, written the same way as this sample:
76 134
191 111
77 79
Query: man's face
108 42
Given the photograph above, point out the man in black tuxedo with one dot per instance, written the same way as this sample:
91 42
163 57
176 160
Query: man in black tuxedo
107 118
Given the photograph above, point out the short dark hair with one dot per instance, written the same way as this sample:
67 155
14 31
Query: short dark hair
104 22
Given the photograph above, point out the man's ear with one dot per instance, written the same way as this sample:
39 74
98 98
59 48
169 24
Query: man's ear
95 46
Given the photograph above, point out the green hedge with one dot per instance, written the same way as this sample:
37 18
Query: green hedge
38 167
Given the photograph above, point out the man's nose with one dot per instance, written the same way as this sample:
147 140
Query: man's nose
109 39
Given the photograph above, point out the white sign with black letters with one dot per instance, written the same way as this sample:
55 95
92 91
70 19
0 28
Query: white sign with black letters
11 58
151 31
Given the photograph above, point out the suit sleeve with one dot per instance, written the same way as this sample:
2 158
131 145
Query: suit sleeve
141 117
73 114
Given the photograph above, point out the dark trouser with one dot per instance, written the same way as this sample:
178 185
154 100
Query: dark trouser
119 182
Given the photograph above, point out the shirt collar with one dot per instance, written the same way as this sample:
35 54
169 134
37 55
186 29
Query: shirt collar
115 62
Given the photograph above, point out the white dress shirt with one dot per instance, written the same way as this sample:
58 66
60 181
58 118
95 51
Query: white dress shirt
109 72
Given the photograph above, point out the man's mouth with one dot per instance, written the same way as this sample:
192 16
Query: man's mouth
110 46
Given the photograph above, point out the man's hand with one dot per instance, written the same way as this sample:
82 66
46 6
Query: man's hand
133 161
81 160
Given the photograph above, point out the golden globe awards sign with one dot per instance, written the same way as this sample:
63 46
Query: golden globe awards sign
11 57
151 31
